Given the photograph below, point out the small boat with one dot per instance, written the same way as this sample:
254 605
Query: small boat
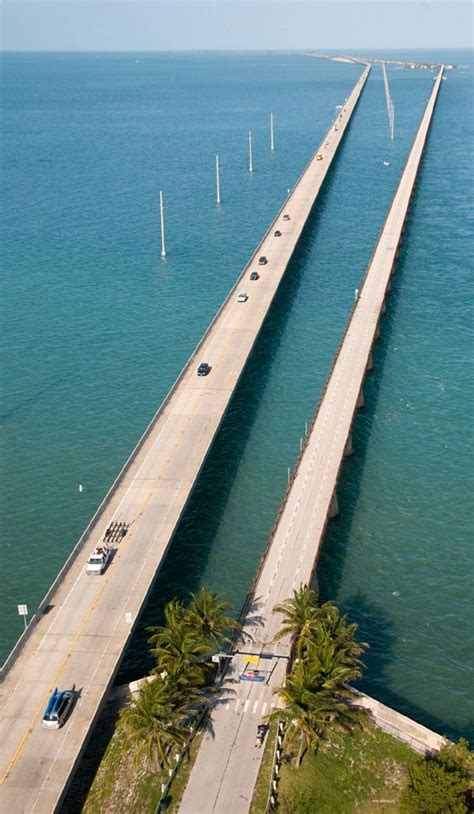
386 163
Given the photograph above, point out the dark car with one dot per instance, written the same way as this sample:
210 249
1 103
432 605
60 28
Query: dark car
286 217
58 708
262 261
203 369
255 275
277 233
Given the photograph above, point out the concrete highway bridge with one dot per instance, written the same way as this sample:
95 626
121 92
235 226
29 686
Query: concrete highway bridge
226 768
78 635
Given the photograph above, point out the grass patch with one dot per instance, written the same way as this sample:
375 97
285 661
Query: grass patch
260 795
123 787
360 773
120 785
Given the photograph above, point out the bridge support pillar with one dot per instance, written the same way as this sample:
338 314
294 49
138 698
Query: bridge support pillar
377 332
384 308
360 399
348 449
370 362
334 507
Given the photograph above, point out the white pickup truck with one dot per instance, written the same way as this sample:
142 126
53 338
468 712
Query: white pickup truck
97 562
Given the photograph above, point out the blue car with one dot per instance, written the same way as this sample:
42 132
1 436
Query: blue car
58 709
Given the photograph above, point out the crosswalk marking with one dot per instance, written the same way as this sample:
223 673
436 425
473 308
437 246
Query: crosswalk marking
259 706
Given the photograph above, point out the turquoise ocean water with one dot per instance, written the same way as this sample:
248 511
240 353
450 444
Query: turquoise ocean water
96 326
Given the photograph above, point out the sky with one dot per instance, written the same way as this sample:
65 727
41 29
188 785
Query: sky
155 25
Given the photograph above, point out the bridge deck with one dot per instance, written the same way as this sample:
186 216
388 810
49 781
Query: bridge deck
81 639
227 764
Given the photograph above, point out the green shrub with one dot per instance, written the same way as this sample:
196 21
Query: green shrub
440 784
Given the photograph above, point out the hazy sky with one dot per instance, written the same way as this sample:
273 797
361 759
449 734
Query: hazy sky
234 24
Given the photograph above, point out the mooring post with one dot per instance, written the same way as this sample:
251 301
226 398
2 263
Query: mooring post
218 188
162 221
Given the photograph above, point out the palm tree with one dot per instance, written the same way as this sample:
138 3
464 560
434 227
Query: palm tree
310 709
206 617
179 653
332 630
300 614
152 723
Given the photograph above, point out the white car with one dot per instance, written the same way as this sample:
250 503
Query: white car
243 297
97 562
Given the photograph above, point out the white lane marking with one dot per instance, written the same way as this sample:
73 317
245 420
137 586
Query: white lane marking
264 707
246 705
254 708
118 621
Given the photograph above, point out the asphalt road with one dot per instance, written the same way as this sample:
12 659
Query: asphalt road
227 764
79 642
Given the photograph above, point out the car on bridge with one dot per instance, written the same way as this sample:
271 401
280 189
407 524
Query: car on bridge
97 562
58 708
277 233
262 261
286 217
255 275
204 369
243 297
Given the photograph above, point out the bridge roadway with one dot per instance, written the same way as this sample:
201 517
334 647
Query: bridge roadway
227 764
80 640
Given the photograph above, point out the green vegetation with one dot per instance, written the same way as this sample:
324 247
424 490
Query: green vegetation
361 772
157 723
325 657
441 784
350 766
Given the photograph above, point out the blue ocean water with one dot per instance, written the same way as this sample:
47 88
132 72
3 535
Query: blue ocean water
96 326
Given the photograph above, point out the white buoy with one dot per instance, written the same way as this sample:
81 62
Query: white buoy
81 488
218 188
162 221
250 152
272 139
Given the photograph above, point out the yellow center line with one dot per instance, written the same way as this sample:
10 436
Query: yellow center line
88 615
